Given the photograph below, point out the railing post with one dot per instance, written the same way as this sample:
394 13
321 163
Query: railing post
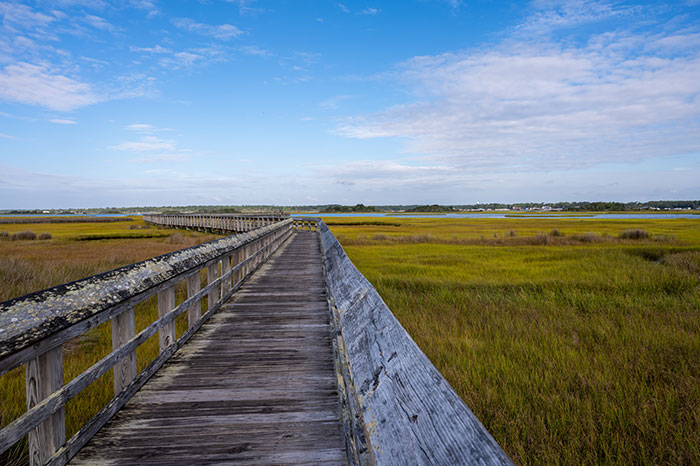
166 303
44 375
213 274
225 268
123 329
236 260
195 310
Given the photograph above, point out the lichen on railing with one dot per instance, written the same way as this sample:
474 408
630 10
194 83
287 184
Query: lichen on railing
35 327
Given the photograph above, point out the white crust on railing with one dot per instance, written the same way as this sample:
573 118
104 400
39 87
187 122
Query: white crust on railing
29 319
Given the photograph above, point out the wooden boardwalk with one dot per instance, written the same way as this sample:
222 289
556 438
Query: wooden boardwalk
256 385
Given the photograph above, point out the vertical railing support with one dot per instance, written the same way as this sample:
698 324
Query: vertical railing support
225 268
195 311
123 329
44 375
213 274
236 261
166 303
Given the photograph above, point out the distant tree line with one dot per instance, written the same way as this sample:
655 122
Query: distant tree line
338 208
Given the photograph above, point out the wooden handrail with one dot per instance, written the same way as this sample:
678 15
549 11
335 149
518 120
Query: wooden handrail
217 222
33 328
396 406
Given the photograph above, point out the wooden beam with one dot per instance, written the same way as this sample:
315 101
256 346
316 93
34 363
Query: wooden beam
44 375
166 303
213 274
194 283
123 329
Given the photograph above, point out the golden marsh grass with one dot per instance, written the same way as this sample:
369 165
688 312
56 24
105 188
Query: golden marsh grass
31 265
578 347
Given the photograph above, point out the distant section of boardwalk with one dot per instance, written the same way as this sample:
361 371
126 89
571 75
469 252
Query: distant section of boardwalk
256 385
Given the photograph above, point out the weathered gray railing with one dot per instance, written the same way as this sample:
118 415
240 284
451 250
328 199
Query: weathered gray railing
397 408
33 329
218 222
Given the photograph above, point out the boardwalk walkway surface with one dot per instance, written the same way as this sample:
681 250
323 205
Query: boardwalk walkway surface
256 385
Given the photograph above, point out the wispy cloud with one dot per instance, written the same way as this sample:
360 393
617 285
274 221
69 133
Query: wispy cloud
156 49
24 16
370 11
150 148
177 59
245 7
6 136
221 31
146 5
61 121
255 51
343 8
99 23
332 103
40 85
145 144
539 104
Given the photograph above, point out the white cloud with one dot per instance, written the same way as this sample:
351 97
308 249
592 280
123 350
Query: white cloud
92 4
6 136
256 51
343 8
39 85
141 128
60 121
99 23
24 16
221 32
169 157
332 103
146 5
156 49
370 11
542 105
145 144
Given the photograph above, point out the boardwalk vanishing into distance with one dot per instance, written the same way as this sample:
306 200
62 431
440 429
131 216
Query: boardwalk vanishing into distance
256 385
295 359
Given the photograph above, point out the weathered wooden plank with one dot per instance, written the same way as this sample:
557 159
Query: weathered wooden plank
166 303
257 375
44 375
214 292
54 403
123 329
24 325
411 414
194 312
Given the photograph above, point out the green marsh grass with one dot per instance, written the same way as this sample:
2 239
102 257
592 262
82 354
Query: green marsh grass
28 266
575 347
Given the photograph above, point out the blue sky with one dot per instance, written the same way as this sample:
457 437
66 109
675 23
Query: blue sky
138 102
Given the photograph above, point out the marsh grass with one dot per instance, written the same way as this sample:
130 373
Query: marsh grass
26 235
582 348
28 266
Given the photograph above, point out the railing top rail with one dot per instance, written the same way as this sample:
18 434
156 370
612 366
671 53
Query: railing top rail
29 319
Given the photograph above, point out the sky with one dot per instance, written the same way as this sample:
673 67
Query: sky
297 102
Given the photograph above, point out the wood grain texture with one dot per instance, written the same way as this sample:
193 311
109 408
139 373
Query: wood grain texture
256 385
166 303
44 375
194 283
412 416
35 319
214 293
123 329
